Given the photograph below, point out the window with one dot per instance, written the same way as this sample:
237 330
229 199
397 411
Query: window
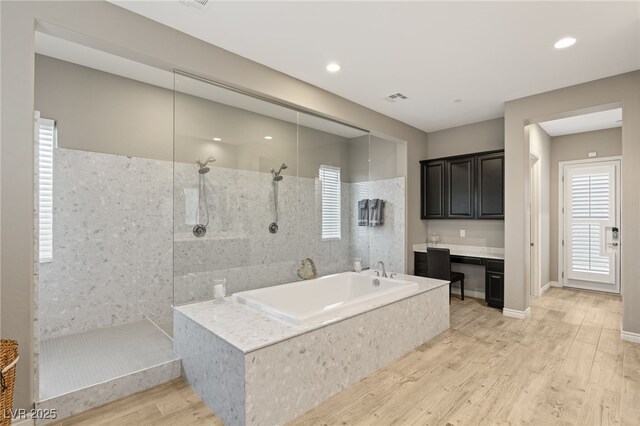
330 184
46 143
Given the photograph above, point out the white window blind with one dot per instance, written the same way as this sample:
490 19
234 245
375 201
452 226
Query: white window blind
591 208
330 184
46 143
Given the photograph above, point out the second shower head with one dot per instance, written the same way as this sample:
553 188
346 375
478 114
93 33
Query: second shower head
276 175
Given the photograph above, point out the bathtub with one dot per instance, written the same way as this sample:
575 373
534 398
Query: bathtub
326 299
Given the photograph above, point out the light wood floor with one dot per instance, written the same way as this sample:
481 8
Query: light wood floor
564 365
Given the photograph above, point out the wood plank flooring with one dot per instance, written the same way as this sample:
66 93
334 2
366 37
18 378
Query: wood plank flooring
564 365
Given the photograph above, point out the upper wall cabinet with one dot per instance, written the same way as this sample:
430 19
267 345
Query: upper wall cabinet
460 188
433 189
490 195
463 187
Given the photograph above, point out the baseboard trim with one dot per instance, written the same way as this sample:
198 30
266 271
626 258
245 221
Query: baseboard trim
471 293
629 336
555 284
546 287
512 313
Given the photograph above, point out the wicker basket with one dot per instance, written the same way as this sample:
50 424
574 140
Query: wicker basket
8 360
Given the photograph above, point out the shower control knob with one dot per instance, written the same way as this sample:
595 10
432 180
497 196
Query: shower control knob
199 230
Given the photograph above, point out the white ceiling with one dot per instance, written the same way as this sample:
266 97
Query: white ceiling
484 53
584 123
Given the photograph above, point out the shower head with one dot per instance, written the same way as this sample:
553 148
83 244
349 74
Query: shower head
276 175
202 166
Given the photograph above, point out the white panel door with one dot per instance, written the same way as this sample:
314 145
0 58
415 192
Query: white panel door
591 215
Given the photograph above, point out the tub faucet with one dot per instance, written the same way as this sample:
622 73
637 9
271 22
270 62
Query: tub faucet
384 271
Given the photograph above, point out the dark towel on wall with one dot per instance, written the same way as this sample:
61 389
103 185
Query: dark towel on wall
376 212
363 212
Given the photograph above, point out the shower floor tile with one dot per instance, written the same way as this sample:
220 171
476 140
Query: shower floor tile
76 361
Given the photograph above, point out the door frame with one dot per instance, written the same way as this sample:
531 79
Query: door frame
561 257
535 235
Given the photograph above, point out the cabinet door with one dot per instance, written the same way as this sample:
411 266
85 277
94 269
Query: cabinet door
432 189
494 289
420 264
460 188
490 194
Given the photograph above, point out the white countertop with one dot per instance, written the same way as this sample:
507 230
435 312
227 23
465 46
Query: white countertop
248 329
460 250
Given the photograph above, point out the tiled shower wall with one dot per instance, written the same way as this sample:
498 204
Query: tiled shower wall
385 243
238 245
113 242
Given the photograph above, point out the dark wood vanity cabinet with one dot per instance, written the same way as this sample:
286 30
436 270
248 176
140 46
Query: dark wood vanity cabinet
460 188
494 283
490 186
463 187
494 274
432 182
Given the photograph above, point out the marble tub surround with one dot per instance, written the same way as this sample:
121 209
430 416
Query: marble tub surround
229 350
462 250
248 329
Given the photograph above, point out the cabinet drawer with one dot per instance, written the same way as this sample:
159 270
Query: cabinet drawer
466 260
495 266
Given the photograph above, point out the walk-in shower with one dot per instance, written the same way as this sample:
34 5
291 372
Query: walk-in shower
200 229
273 226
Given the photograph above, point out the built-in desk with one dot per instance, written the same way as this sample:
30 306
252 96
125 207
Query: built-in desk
491 258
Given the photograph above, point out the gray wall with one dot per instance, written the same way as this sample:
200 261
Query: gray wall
606 143
123 33
101 112
621 90
540 145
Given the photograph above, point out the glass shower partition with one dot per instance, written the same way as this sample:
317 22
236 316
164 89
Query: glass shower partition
278 189
225 224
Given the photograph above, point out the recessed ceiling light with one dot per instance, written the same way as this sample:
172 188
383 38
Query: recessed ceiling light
268 138
333 67
217 139
457 101
564 43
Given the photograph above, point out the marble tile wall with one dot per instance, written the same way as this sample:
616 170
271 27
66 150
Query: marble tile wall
238 245
385 242
112 243
116 260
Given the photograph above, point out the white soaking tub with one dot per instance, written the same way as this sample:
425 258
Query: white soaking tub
326 299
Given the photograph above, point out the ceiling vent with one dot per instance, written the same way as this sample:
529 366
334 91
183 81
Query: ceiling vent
396 97
198 4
